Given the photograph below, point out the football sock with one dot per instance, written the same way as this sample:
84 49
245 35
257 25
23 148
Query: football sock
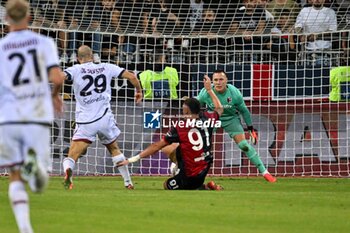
124 171
20 206
68 163
252 155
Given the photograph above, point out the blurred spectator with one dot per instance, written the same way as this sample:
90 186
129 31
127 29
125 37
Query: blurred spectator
264 5
345 36
276 7
282 41
73 11
96 17
249 21
269 18
197 8
110 17
190 13
315 22
160 21
50 14
225 12
133 19
165 22
160 81
152 9
209 48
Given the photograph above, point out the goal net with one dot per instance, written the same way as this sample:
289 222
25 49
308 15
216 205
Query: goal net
290 60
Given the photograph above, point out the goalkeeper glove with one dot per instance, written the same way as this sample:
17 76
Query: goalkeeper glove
253 135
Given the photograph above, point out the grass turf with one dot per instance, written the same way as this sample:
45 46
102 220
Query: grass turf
102 205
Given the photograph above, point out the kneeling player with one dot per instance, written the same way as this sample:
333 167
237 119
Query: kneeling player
193 151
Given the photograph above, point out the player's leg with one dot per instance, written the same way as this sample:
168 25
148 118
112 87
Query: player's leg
253 156
118 156
176 182
76 149
19 201
170 152
37 159
12 157
108 134
235 130
84 135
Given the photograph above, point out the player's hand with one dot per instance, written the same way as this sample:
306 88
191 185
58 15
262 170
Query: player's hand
123 163
57 104
207 83
253 135
138 97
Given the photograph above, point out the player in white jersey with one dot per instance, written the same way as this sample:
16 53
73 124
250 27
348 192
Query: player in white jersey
93 115
27 62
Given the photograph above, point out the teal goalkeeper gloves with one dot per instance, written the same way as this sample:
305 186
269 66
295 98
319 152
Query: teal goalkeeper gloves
253 135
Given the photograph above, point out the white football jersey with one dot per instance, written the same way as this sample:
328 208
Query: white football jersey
25 95
317 21
92 89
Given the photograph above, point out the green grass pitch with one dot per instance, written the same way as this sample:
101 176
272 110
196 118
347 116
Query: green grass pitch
247 205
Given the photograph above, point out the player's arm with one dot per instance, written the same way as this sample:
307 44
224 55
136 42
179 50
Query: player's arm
135 82
171 137
217 104
54 73
242 108
202 96
57 79
150 150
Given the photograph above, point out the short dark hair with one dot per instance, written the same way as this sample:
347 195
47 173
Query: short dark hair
220 71
193 104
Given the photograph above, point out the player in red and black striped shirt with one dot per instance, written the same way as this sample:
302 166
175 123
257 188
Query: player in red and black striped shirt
193 144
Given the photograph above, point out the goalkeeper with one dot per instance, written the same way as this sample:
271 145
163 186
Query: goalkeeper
233 104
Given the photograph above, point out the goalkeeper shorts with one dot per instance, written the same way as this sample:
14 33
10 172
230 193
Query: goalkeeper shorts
233 127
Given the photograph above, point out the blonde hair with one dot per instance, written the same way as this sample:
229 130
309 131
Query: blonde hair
17 10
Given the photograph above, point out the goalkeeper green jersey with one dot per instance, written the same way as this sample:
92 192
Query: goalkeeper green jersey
232 102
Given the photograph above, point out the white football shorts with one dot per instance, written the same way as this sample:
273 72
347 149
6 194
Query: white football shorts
17 139
106 128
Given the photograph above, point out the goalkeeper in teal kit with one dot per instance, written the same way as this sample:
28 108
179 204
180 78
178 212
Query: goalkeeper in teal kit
234 106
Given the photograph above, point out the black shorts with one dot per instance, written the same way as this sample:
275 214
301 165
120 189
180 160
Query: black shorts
183 182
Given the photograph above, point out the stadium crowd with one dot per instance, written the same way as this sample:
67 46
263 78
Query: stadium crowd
196 30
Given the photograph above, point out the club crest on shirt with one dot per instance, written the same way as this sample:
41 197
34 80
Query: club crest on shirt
229 99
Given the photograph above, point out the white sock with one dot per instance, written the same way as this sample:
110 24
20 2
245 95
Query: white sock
68 163
20 206
265 172
124 171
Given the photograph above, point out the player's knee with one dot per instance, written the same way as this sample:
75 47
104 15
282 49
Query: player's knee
118 158
244 146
